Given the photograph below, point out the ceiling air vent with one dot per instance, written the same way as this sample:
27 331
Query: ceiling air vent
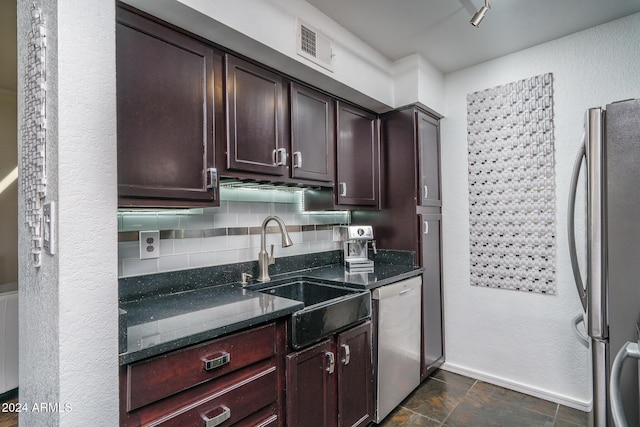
314 46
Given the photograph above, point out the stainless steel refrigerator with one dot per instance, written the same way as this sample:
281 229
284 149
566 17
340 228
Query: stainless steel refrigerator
609 289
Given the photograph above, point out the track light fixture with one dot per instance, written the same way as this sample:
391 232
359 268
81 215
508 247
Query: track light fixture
479 15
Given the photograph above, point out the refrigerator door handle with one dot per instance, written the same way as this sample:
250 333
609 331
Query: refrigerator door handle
571 228
582 336
630 349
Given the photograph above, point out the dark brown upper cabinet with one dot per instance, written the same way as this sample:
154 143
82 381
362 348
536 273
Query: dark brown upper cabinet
312 134
429 164
165 111
357 157
255 137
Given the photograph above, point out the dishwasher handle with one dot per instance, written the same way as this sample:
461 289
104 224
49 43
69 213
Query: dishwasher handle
398 289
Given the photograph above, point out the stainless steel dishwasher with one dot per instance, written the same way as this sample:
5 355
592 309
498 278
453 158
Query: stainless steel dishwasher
397 358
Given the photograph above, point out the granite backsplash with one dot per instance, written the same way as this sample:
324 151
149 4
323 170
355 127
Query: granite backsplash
134 288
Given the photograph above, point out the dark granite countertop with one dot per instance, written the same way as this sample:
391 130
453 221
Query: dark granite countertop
383 274
168 311
167 322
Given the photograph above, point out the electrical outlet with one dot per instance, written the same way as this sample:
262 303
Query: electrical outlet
149 244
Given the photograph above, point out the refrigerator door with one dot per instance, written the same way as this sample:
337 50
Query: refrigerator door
629 350
623 239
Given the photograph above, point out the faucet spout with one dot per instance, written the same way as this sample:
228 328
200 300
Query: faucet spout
264 258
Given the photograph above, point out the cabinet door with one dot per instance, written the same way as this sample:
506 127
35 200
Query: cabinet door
312 134
358 157
429 164
311 386
255 114
355 395
165 112
431 257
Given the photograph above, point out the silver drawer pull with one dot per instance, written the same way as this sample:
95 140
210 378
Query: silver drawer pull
217 361
426 227
426 192
216 420
347 354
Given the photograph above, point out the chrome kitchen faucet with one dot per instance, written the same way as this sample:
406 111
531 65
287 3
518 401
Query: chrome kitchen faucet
265 259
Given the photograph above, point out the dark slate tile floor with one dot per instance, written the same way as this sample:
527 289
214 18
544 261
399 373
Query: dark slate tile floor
450 400
8 419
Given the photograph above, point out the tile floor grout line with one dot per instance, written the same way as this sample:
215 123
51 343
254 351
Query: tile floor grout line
555 416
418 413
456 405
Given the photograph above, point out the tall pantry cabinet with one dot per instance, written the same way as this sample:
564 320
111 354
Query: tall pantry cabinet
410 216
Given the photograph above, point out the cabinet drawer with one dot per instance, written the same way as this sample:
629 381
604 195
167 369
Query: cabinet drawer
266 417
151 380
248 402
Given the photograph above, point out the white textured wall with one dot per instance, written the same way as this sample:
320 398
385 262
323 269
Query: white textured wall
519 339
266 31
416 80
68 307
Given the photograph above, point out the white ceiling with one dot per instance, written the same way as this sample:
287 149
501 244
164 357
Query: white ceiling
439 30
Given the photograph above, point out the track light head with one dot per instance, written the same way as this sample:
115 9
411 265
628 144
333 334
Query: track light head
479 15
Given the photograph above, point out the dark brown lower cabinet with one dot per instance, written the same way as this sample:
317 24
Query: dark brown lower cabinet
330 383
234 380
431 260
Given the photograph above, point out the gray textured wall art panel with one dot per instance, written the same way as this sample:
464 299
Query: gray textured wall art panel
512 186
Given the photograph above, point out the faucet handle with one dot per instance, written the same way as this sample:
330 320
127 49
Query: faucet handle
272 260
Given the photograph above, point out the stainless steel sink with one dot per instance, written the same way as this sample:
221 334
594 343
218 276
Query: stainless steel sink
327 309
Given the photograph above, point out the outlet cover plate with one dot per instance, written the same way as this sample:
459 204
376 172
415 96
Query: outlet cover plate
149 244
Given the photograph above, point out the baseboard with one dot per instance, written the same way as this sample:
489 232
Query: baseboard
522 388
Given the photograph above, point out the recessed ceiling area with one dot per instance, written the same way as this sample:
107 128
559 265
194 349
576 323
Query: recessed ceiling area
439 30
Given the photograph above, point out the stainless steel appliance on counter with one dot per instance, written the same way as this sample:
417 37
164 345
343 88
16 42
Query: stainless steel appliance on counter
355 242
397 347
610 293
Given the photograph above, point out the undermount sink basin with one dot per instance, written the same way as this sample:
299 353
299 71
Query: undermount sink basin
327 309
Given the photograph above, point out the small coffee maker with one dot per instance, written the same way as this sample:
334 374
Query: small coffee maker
355 243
